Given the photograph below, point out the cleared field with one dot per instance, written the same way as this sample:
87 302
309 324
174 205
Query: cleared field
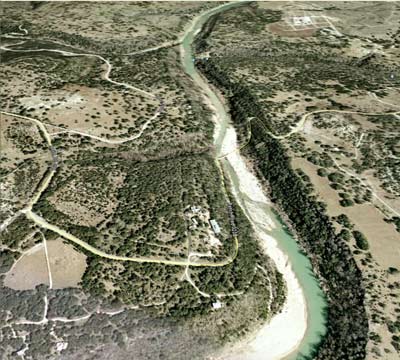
70 94
383 237
152 196
29 271
66 264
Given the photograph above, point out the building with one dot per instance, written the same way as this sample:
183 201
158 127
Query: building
215 226
302 20
217 305
195 209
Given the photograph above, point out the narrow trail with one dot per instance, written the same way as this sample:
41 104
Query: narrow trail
9 221
299 126
188 277
167 44
358 145
47 261
21 28
37 122
375 97
271 298
191 282
107 78
105 140
41 322
16 169
98 138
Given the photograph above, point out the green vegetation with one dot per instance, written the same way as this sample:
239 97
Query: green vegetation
16 232
132 199
273 77
396 221
140 208
344 220
361 240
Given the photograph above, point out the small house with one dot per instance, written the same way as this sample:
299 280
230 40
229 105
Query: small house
215 226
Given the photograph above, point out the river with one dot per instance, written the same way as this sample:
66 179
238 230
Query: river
301 323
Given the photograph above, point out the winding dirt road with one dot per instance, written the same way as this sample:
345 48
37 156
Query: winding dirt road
46 181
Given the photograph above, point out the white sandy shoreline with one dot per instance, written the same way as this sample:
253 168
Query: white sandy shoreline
283 334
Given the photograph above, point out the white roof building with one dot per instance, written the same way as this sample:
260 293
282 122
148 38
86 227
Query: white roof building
195 209
215 226
60 346
217 305
302 20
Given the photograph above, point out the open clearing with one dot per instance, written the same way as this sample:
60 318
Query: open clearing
384 244
66 264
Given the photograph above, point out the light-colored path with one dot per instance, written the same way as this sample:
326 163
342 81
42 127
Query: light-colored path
71 54
110 141
155 48
107 78
44 224
41 322
383 102
98 138
300 125
9 221
188 277
46 252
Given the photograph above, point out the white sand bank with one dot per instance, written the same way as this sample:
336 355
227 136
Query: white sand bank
283 334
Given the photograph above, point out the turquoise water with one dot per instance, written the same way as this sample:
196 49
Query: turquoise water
315 299
313 294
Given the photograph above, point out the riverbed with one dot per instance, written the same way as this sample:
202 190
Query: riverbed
298 327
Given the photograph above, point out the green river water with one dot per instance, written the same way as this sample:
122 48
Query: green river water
314 297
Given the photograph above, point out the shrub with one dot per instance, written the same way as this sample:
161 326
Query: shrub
361 240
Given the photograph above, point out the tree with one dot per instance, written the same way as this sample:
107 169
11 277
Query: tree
361 240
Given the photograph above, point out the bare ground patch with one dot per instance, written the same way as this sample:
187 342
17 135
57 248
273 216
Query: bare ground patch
67 265
282 30
29 270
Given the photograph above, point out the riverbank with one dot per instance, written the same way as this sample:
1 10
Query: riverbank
276 339
298 328
273 338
